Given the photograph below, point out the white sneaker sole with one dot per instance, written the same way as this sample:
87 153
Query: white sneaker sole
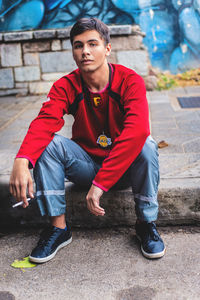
151 255
47 258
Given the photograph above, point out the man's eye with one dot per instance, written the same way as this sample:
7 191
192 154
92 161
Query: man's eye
92 44
77 46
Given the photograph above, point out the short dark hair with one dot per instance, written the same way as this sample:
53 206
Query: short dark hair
85 24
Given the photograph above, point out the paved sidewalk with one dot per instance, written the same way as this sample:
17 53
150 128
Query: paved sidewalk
16 113
104 264
179 162
180 128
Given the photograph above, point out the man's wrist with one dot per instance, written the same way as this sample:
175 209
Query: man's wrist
99 186
22 160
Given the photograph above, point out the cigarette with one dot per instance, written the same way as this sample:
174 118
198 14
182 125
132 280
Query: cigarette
21 203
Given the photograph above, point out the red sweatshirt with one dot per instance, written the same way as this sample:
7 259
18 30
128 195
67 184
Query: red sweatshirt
121 111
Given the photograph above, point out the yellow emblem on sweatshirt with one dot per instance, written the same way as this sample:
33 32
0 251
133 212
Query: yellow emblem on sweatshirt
97 101
104 141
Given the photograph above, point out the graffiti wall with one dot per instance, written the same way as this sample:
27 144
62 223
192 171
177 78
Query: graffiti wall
172 27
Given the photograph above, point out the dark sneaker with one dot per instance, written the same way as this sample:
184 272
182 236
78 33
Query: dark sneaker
152 245
51 240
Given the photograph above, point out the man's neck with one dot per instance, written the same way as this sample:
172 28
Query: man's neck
97 80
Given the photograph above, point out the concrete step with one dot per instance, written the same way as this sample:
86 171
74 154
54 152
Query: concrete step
177 206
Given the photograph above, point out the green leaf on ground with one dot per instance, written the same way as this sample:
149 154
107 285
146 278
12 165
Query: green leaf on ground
24 263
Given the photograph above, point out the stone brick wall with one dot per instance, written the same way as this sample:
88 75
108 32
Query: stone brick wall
31 61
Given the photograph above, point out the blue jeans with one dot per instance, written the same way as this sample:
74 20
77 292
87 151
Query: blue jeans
63 158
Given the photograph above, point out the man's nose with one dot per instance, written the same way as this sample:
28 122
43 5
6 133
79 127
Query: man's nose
85 50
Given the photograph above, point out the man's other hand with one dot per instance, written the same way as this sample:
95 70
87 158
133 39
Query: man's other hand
92 199
20 180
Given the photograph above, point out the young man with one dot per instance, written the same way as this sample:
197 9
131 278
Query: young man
110 139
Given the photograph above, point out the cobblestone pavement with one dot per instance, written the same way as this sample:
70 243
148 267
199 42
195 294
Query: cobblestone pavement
178 127
15 117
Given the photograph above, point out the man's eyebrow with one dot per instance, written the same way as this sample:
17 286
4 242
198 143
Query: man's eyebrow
92 40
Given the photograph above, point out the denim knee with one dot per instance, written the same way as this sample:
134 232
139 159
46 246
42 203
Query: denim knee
145 172
59 139
56 149
149 153
149 156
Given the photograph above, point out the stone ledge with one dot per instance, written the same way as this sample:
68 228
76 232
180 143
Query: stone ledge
178 206
44 34
120 29
17 36
64 33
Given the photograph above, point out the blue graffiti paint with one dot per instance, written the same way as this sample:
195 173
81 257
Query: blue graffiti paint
196 5
158 26
180 4
189 22
183 58
65 15
25 16
9 8
187 55
157 20
51 4
134 6
171 27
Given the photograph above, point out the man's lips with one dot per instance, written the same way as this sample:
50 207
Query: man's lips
86 61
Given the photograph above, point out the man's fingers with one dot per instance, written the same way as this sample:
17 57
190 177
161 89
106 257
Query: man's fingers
23 194
24 199
18 192
95 205
98 208
30 188
93 198
12 190
95 209
20 180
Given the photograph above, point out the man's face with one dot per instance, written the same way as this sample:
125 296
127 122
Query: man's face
89 51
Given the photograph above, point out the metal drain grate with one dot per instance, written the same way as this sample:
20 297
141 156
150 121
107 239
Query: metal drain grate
189 102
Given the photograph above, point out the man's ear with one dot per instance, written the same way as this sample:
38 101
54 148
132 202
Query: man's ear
108 49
